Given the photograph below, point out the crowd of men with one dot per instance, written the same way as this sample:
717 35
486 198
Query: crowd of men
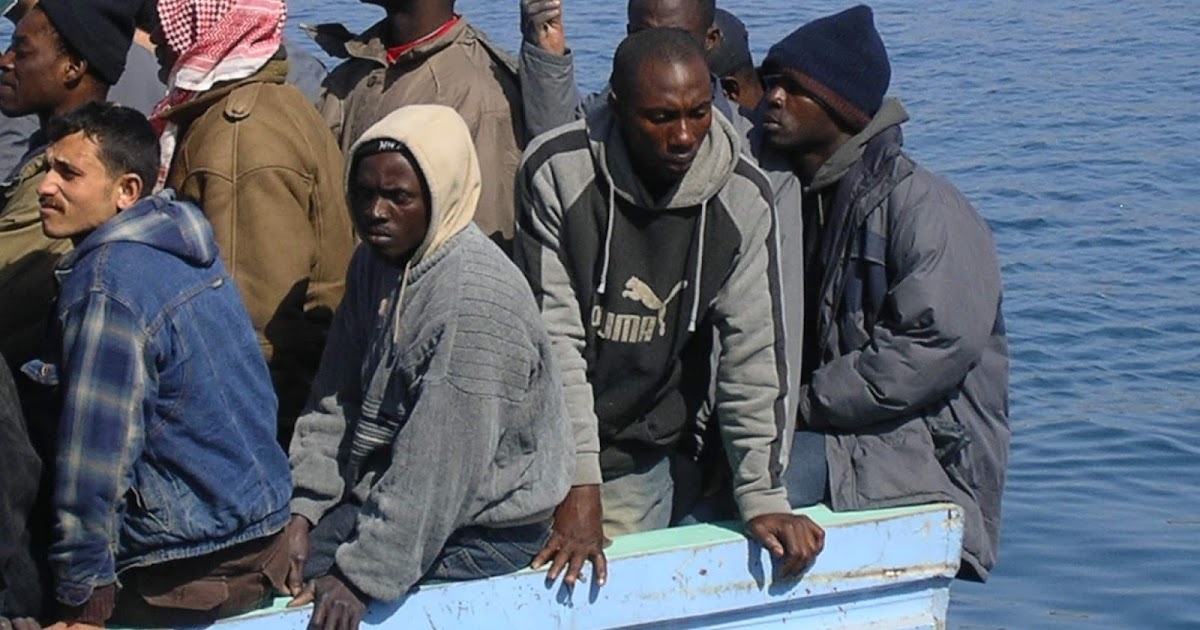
437 316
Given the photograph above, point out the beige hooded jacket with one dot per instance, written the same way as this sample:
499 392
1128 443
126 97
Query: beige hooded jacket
438 404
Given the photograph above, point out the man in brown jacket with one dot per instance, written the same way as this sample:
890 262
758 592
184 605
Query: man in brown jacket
50 68
255 155
423 53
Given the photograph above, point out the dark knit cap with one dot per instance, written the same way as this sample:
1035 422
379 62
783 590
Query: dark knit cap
733 53
101 30
841 61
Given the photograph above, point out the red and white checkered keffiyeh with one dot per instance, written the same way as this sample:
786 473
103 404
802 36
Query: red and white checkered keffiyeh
213 41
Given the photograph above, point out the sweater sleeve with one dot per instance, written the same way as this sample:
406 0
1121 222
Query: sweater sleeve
548 90
334 403
751 370
939 312
539 253
106 382
441 456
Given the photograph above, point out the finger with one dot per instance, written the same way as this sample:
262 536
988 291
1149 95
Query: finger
356 616
574 569
599 567
796 546
5 624
769 542
561 559
549 551
295 577
341 615
303 598
320 613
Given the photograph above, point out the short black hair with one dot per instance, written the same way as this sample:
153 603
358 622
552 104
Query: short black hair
126 139
707 9
668 45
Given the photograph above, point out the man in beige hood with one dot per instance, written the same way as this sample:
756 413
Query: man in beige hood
437 435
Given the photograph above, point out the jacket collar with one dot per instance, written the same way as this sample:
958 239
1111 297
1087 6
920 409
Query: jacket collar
274 72
337 41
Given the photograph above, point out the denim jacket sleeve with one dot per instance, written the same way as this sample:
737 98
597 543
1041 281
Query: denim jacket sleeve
105 382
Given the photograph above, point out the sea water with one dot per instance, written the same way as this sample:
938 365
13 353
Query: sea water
1074 127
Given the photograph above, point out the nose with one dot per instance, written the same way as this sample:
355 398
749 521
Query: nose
773 97
7 60
48 186
682 135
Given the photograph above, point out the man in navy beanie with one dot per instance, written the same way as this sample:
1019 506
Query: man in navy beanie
904 378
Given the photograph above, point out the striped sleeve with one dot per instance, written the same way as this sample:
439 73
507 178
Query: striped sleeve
751 369
105 382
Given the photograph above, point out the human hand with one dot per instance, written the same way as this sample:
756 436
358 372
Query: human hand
338 605
25 623
29 624
295 536
542 25
576 536
792 538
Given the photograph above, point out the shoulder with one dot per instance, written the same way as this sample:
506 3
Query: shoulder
565 145
747 198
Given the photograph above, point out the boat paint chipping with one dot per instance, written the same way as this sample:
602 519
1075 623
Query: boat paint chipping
884 569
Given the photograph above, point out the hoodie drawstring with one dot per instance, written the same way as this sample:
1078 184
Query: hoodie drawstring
612 209
699 266
399 305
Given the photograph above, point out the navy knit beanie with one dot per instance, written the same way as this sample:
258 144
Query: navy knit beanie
841 61
101 30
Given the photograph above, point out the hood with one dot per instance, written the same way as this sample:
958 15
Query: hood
440 142
714 165
890 114
175 227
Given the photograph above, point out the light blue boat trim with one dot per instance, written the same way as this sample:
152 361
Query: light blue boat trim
880 569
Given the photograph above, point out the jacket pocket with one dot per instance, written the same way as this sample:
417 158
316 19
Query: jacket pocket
897 462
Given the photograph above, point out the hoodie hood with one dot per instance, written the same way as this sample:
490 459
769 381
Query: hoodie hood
890 114
175 227
440 142
714 164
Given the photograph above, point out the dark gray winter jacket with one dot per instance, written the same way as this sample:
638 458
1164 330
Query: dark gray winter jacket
911 382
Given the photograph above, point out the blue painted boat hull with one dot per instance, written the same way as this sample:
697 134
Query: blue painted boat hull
880 569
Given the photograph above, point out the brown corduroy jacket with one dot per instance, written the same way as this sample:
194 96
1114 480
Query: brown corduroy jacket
27 259
461 70
257 158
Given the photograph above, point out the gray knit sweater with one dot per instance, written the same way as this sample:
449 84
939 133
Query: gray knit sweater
469 425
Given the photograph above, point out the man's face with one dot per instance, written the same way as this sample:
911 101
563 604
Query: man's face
389 203
78 194
791 119
33 69
683 14
665 118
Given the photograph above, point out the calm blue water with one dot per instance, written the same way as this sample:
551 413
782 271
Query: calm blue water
1073 127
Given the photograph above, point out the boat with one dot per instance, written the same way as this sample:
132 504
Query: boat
881 569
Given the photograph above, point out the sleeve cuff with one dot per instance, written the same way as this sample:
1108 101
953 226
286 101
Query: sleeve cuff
587 470
309 509
96 610
530 52
773 501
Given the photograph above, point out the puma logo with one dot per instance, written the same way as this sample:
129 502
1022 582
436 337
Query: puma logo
639 291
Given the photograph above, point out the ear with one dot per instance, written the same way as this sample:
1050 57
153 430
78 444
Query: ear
712 39
731 87
75 69
127 191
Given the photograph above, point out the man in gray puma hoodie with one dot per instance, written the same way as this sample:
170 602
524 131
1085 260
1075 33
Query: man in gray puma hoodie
642 230
905 368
